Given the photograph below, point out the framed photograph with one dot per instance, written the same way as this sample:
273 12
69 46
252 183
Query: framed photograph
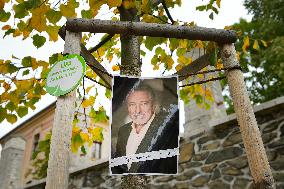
144 126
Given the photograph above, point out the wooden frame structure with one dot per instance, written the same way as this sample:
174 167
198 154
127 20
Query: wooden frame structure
60 142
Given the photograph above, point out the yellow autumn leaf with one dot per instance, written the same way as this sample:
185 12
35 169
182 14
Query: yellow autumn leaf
169 62
178 67
255 45
75 130
34 64
97 134
89 88
128 4
228 27
16 33
11 118
147 18
246 44
101 51
88 102
198 44
6 86
2 3
218 2
115 68
146 7
114 3
183 60
38 19
6 27
183 43
26 34
68 10
95 5
84 136
109 57
156 67
24 85
53 32
264 43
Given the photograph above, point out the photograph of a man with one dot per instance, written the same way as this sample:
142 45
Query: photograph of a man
145 126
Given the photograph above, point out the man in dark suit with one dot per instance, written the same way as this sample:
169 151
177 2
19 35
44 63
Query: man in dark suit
149 133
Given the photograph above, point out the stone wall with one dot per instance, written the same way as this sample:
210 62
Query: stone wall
11 163
214 159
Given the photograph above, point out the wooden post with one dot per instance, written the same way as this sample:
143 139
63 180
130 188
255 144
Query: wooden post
131 66
258 162
58 163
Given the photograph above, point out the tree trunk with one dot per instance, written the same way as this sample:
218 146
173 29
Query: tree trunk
58 163
131 66
258 163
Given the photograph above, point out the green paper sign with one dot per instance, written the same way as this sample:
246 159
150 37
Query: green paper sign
65 75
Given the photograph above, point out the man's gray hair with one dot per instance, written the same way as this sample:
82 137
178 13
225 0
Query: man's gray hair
143 87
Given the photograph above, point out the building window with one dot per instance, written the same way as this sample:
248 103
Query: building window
35 142
97 153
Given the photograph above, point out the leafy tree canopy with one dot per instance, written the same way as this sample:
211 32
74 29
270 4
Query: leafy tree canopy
262 50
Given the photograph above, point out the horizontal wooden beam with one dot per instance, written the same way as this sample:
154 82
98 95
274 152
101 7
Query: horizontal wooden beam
91 61
151 29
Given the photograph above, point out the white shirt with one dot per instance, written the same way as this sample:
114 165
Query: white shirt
135 139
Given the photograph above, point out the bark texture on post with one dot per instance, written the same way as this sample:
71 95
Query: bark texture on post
58 163
258 162
130 47
130 66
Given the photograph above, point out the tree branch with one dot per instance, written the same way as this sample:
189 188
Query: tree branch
151 29
97 82
204 81
91 61
101 43
168 12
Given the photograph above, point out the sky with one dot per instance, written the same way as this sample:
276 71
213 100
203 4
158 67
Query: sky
230 13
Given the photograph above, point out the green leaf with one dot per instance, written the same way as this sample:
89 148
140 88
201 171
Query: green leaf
53 58
211 16
174 43
31 4
53 16
27 61
160 51
213 57
21 25
10 106
26 72
20 11
8 32
184 95
198 99
255 45
143 53
3 113
11 118
181 51
201 8
87 14
38 40
12 68
22 111
4 16
108 93
151 42
83 150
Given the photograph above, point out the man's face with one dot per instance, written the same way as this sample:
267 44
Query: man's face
140 107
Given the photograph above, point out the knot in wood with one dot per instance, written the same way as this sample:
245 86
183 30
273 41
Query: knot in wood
227 53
